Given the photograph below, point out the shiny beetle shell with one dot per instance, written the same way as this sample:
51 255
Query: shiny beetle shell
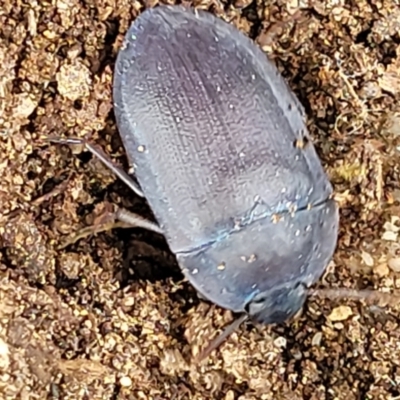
210 128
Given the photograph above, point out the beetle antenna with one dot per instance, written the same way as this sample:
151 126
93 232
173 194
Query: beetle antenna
214 344
373 296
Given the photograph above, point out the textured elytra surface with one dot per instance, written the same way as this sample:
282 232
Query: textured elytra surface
211 127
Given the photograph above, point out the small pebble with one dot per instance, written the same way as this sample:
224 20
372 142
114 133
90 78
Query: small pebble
316 340
125 381
367 258
394 264
340 313
381 270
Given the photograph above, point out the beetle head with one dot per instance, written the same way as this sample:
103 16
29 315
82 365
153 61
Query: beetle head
269 307
278 304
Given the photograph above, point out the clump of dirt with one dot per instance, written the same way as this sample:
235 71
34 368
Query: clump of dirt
109 317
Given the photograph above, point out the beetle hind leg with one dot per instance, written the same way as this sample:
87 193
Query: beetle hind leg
91 230
136 221
120 218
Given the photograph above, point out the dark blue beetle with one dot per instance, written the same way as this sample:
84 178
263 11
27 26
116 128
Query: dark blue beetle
221 151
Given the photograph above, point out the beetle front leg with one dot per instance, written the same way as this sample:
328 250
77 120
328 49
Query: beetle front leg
120 173
120 218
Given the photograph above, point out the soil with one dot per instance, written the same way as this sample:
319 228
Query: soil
110 316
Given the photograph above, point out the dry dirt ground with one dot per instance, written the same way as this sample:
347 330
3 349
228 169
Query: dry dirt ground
109 317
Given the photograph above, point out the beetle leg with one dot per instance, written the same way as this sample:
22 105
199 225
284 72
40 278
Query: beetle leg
120 173
135 220
121 218
201 297
214 344
91 230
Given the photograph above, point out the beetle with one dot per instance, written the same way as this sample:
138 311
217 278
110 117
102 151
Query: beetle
213 131
219 146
